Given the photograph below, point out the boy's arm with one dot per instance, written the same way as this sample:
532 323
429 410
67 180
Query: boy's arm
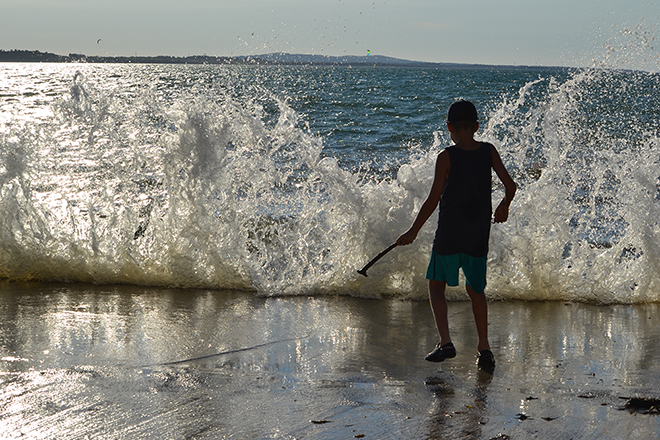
431 202
502 211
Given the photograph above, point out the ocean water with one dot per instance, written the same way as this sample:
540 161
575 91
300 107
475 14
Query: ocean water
284 180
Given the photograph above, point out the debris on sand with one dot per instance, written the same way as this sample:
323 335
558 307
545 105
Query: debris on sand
642 405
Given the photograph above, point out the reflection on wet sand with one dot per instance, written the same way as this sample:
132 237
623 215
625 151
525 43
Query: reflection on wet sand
109 362
452 417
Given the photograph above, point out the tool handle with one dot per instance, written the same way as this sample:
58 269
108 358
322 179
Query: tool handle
363 271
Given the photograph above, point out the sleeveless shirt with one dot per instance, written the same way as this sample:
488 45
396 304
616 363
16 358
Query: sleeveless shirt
465 207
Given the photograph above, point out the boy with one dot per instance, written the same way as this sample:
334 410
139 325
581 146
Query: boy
462 187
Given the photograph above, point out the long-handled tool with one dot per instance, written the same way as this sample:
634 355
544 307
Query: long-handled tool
363 271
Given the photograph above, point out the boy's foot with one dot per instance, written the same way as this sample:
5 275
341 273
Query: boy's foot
441 352
486 361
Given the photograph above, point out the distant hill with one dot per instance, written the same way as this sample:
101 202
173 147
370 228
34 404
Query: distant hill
35 56
374 60
30 56
346 59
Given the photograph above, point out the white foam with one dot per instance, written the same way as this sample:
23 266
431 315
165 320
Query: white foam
211 192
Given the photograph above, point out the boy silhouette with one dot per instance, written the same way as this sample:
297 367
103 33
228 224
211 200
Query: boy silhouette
462 187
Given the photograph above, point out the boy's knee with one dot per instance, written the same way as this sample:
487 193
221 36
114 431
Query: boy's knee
435 284
437 287
473 294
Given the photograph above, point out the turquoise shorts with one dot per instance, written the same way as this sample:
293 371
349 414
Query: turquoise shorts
445 268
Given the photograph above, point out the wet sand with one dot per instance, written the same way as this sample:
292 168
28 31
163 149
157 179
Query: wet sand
112 362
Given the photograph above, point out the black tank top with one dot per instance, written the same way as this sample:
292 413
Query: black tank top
465 207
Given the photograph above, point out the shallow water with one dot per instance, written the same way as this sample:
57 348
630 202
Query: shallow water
126 362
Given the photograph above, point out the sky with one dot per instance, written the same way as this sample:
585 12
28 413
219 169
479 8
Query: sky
577 33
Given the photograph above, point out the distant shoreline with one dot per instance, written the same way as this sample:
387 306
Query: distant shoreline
35 56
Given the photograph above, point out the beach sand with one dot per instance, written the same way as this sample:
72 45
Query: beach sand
110 362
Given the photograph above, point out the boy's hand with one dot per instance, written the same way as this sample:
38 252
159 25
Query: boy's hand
502 213
406 238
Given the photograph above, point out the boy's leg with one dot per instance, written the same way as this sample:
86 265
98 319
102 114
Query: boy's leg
439 307
480 311
445 349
